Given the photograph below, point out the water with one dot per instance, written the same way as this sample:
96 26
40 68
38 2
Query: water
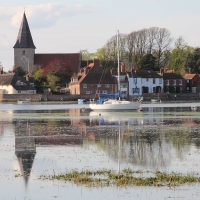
56 139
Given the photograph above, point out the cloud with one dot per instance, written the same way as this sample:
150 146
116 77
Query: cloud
43 15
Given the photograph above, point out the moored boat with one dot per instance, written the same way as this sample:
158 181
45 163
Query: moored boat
23 101
82 101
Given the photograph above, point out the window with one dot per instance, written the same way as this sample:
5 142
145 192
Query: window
107 85
187 81
135 90
19 91
174 82
154 81
121 78
104 92
167 82
84 85
87 92
98 85
160 80
98 92
147 79
23 52
180 82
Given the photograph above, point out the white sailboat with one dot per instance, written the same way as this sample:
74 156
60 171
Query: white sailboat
104 103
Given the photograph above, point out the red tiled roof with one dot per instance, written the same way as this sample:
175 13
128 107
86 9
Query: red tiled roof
72 59
189 76
96 76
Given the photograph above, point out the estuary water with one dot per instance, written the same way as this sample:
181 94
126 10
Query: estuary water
47 139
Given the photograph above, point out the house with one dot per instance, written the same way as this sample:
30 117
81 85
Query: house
144 81
173 83
25 56
192 82
13 84
92 80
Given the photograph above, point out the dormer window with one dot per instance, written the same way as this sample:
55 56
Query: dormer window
19 83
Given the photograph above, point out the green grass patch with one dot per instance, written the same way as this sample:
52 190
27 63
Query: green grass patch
126 177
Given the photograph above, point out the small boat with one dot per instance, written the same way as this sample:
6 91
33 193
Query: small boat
155 100
23 101
82 101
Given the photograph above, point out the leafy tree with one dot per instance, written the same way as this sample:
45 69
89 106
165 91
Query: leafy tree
87 56
40 80
60 69
52 80
193 61
19 71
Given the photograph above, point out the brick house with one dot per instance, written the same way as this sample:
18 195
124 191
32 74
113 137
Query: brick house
192 82
92 80
172 82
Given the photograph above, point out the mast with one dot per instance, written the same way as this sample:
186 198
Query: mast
118 74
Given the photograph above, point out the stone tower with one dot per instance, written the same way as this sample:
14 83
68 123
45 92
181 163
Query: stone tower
24 48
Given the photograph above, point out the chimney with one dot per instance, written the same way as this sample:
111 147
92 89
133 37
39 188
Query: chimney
161 71
123 67
27 77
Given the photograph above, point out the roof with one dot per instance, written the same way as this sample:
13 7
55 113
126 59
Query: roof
72 59
189 76
144 74
24 38
13 79
96 76
170 76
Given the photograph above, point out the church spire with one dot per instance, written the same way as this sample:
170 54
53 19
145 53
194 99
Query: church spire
24 38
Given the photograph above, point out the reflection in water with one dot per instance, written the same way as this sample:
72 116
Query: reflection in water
148 140
25 150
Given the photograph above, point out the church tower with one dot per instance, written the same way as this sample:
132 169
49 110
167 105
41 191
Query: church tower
24 48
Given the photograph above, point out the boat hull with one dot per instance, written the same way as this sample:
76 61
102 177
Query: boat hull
116 106
23 101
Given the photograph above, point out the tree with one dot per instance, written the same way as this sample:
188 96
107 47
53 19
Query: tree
163 41
19 71
40 80
60 69
52 80
147 62
178 58
193 61
88 56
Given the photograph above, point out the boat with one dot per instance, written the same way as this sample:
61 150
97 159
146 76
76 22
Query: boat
106 103
23 101
155 100
82 101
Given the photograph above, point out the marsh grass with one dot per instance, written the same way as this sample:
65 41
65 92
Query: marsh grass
126 177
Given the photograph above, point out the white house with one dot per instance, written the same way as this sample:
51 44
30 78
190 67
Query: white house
13 84
147 81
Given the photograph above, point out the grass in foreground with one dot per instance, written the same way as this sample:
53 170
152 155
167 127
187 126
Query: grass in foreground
126 177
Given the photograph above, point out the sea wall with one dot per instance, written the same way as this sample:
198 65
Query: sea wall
67 97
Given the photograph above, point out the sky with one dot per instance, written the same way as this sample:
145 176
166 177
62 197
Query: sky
68 26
